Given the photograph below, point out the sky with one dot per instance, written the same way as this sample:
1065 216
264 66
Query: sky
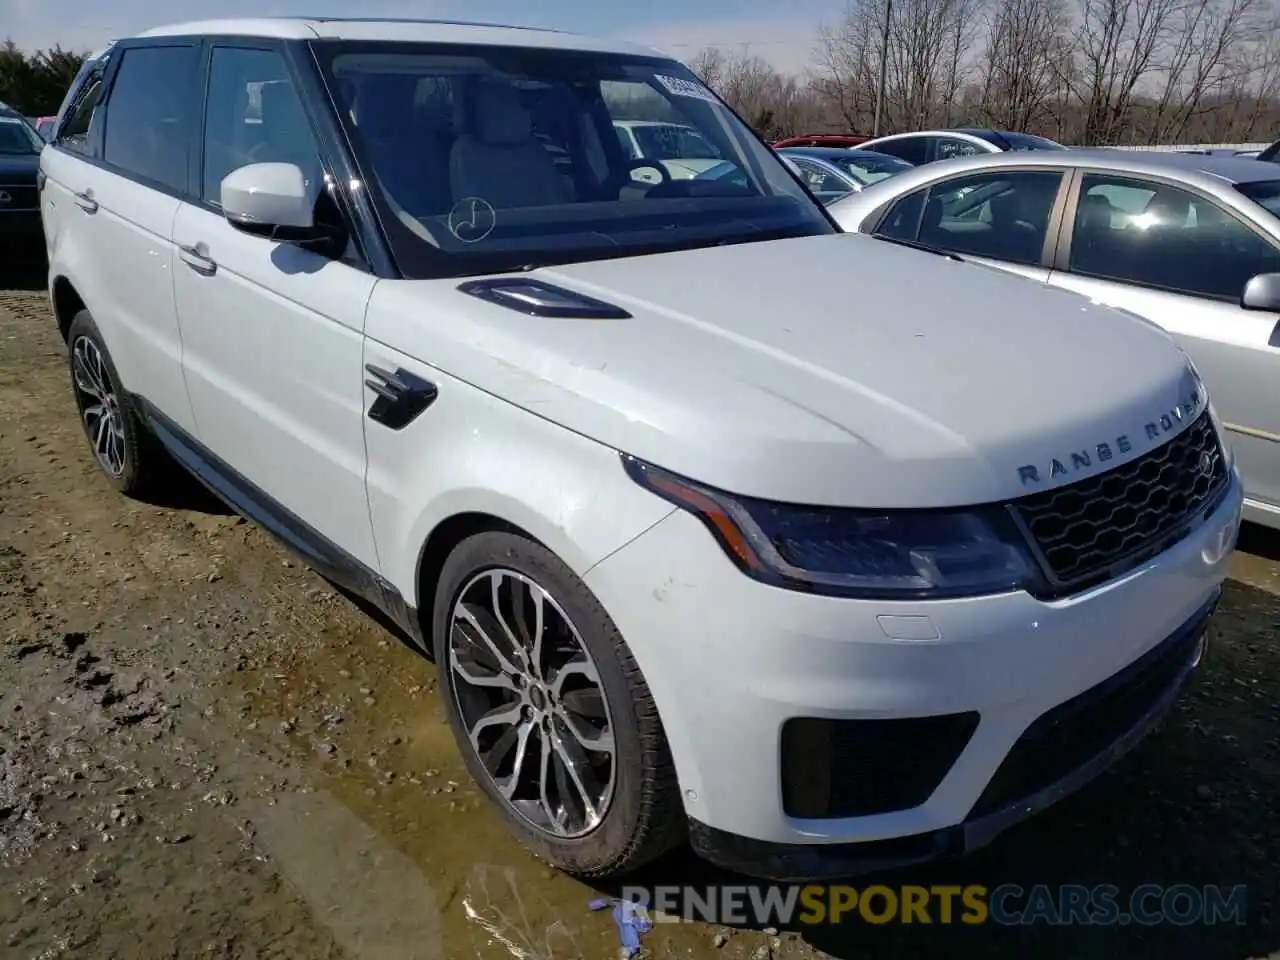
783 33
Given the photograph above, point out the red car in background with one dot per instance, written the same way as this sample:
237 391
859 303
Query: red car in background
821 140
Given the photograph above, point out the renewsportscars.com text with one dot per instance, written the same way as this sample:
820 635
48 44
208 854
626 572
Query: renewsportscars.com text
972 904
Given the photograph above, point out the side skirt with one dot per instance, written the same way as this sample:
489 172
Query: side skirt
312 547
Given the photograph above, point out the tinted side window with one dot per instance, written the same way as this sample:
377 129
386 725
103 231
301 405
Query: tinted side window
253 115
914 150
949 147
903 219
1004 216
148 131
1153 234
817 179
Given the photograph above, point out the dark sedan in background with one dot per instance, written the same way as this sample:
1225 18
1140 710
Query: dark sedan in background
21 234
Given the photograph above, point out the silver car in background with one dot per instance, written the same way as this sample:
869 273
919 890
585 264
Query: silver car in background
1189 242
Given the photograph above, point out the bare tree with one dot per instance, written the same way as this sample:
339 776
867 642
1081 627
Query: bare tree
1027 44
1080 71
1118 42
848 61
1200 61
773 103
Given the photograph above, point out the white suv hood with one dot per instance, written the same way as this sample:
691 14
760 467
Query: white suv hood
825 370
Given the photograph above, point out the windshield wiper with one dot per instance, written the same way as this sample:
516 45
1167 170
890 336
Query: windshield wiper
917 245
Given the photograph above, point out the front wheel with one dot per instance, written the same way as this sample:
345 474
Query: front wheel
553 717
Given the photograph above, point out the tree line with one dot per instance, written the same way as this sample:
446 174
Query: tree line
1084 72
34 84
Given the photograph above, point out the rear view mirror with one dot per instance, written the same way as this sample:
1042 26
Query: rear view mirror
270 200
1262 293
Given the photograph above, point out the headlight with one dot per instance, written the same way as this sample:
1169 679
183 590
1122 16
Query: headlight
886 554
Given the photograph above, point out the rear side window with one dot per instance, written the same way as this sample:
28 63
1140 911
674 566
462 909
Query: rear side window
1004 216
903 220
148 125
949 147
914 150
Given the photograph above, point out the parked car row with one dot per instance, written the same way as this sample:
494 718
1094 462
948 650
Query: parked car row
723 526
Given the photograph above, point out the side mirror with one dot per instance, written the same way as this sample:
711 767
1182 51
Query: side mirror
271 200
1262 293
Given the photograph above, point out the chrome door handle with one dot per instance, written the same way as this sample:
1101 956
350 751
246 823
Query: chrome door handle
197 261
86 202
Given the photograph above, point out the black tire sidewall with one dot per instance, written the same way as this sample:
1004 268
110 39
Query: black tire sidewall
131 477
610 844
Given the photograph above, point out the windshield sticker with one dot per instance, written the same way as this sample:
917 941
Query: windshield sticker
686 88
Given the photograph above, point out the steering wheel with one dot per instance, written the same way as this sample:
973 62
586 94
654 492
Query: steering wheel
641 163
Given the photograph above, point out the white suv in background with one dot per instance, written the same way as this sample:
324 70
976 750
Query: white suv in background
811 589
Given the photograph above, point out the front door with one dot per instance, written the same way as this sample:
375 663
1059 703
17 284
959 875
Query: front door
273 332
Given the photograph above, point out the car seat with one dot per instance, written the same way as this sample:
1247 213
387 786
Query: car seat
498 159
409 161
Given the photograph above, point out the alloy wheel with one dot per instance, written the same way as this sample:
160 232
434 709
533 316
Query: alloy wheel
531 703
99 405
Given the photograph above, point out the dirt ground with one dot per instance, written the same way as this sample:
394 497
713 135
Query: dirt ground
205 751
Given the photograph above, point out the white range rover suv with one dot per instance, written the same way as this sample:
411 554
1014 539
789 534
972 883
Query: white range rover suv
814 590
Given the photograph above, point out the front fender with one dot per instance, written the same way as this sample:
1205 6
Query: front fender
471 452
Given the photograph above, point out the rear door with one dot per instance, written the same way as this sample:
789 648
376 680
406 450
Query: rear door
1180 259
115 172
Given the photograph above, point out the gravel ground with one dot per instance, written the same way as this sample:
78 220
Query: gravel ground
205 751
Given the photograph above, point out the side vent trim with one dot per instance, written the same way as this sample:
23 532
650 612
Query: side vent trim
539 299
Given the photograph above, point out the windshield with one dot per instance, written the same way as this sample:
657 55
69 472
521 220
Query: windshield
17 137
486 159
867 167
1265 193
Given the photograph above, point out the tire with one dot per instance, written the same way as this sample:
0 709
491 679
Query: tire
642 817
131 458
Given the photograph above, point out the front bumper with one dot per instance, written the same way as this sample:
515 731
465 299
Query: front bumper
731 661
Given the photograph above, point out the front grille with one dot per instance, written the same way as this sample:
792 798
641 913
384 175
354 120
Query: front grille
1099 526
24 197
856 768
1074 733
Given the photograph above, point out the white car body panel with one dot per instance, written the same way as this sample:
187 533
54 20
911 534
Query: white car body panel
776 654
273 360
123 262
478 452
749 394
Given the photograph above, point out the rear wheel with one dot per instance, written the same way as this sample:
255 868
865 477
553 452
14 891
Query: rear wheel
550 710
124 449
